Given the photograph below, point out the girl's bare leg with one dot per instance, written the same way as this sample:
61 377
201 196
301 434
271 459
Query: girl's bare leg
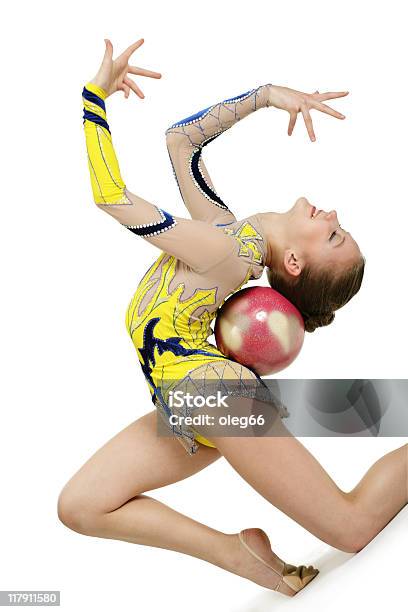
104 499
283 471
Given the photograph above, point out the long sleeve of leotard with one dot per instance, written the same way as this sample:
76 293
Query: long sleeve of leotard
198 244
185 141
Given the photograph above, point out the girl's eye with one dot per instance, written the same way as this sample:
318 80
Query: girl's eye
332 236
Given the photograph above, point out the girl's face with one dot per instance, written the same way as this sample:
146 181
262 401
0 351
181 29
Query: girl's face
318 237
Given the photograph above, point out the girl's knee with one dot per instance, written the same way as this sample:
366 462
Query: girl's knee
349 541
75 512
353 529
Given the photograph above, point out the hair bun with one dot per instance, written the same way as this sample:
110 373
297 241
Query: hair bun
312 322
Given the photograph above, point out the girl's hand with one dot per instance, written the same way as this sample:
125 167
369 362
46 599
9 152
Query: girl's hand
294 101
112 74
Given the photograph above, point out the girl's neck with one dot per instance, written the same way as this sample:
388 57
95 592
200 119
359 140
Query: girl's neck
274 229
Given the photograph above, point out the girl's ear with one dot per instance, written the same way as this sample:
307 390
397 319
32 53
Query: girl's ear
291 263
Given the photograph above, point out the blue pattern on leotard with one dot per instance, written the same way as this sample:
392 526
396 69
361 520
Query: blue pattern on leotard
150 342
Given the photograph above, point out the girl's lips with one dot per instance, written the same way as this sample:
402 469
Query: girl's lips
315 212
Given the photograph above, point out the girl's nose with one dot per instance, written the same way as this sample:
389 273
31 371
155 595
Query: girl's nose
332 215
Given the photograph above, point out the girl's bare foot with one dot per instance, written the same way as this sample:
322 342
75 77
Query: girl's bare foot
255 560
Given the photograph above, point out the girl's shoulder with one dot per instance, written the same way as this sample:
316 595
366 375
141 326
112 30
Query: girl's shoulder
250 235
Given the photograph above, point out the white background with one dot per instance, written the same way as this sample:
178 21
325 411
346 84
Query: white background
71 379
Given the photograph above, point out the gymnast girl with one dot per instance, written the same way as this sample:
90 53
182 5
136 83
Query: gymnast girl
309 258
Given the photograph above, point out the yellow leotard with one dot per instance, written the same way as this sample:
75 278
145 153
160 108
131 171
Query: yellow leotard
203 260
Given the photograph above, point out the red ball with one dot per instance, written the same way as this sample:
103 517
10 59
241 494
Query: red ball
259 328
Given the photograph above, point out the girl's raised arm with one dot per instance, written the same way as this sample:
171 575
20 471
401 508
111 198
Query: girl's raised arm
185 141
198 244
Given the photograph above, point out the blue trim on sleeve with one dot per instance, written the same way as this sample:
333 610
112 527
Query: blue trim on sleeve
151 229
91 97
192 117
240 96
202 112
95 119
